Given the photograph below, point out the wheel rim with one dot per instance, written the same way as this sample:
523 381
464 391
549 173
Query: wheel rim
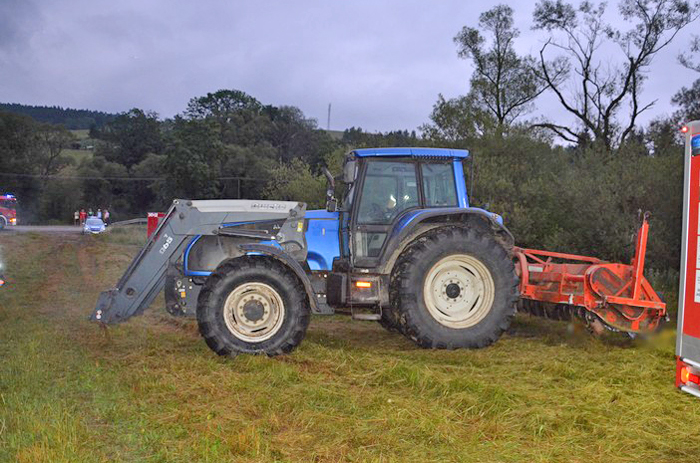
458 291
254 312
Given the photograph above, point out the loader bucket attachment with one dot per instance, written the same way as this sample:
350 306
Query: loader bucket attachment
184 221
553 283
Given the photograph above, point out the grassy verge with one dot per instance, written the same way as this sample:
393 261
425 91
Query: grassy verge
149 390
125 234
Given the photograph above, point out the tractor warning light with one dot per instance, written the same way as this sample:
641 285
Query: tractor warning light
363 284
684 129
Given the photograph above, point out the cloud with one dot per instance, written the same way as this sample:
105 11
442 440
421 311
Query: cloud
380 64
19 19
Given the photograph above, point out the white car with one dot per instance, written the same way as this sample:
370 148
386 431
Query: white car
93 225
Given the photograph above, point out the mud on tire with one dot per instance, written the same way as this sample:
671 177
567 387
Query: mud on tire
454 288
253 305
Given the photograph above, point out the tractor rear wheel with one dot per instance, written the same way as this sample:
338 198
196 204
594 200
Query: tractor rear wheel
454 288
253 305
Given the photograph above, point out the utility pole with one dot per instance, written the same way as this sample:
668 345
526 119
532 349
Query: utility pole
328 126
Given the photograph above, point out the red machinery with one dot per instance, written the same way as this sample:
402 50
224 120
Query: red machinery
560 285
152 223
688 333
8 210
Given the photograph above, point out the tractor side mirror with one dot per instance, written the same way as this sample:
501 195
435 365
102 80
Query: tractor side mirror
331 202
349 172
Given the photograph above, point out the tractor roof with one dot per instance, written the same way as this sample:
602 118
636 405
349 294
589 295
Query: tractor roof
413 152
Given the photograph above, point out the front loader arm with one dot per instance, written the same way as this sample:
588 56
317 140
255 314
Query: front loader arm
145 276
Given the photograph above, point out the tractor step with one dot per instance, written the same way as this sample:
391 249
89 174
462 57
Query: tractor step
367 316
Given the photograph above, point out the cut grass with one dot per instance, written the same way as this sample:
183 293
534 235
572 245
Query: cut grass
149 390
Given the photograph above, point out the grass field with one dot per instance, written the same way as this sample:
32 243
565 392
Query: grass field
151 391
81 134
77 155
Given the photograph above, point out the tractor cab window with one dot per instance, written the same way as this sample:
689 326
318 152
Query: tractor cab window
389 189
439 185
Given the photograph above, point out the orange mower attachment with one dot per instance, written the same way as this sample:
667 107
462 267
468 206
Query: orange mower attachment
617 295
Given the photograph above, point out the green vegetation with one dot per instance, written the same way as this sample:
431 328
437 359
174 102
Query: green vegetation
151 391
72 119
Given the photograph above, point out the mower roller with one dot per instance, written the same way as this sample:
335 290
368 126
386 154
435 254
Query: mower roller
559 286
404 248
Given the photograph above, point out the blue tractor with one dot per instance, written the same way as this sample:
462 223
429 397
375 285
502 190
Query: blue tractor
403 248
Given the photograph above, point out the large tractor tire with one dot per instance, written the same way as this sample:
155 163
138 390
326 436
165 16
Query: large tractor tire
390 319
454 288
253 305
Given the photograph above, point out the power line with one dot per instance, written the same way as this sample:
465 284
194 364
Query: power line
72 177
126 179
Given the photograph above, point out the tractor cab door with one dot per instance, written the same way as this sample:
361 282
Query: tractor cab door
386 189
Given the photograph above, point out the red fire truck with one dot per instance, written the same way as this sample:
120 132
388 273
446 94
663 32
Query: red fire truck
688 334
8 210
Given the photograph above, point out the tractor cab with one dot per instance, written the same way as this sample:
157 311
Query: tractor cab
387 191
390 187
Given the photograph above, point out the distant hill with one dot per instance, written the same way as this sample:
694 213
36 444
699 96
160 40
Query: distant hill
73 119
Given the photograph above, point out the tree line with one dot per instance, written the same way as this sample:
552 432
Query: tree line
72 119
576 185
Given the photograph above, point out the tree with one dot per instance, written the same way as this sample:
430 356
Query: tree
686 58
193 159
19 160
688 99
457 121
237 115
53 139
294 181
602 88
221 105
503 84
98 191
355 137
296 136
131 136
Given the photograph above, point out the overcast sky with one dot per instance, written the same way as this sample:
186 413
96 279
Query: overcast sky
380 63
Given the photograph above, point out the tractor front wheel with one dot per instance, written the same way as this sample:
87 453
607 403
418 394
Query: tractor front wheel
454 288
253 305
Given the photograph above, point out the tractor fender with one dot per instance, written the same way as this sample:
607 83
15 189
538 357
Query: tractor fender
286 259
412 225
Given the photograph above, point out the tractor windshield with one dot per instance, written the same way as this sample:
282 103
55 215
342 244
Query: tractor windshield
389 189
